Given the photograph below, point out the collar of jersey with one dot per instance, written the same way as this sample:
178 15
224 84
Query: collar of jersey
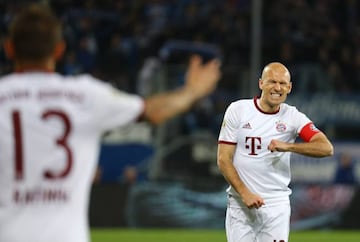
260 110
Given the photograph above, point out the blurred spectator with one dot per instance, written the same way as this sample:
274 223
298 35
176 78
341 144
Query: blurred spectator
70 65
316 38
146 77
345 172
114 63
86 53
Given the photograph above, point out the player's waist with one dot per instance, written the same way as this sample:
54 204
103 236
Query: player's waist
234 199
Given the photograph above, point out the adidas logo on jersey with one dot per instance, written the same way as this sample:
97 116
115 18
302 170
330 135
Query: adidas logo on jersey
247 126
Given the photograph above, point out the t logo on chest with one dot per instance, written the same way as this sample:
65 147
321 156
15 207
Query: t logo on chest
253 143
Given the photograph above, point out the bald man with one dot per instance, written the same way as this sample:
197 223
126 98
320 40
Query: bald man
254 146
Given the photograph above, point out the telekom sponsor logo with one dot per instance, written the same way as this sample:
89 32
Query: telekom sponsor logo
253 144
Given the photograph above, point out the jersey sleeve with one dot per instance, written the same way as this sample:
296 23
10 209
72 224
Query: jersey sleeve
306 129
228 129
114 108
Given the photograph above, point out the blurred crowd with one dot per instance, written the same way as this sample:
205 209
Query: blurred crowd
318 39
322 35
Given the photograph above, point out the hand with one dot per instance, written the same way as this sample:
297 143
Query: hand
277 145
252 200
201 79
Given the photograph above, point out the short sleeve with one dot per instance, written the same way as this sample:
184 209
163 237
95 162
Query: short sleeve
114 108
305 127
229 126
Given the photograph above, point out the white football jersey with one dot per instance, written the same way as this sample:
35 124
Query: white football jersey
50 129
251 130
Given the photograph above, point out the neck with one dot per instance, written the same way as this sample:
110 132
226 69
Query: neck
43 66
266 107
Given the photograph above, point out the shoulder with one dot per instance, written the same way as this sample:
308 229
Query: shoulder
8 78
240 106
105 91
237 108
87 82
84 79
292 113
241 103
287 108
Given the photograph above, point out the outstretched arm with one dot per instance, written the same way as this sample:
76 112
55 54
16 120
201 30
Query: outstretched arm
201 80
318 146
225 164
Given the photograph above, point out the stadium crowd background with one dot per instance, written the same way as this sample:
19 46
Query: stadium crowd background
117 40
112 38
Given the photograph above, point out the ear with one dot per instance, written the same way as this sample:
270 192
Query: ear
9 49
260 83
59 50
290 87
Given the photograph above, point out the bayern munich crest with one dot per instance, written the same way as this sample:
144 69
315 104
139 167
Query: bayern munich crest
313 127
280 127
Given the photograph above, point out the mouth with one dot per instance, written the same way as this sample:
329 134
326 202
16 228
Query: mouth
276 95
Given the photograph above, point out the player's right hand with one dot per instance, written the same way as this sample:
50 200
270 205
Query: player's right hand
252 200
202 79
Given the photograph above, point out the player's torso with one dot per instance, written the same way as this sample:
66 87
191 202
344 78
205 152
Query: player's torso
263 171
47 148
255 129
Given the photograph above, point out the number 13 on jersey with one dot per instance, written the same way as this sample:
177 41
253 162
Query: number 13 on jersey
60 142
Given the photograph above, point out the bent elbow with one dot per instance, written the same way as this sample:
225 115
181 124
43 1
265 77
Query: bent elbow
221 164
330 150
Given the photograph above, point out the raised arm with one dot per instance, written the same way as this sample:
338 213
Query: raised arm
201 80
318 146
225 163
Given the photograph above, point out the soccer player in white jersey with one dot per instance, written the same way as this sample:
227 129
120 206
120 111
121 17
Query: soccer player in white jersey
255 142
51 126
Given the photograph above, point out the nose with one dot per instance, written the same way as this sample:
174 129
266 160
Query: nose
277 86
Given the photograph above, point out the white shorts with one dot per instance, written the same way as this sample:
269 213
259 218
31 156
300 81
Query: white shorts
266 224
